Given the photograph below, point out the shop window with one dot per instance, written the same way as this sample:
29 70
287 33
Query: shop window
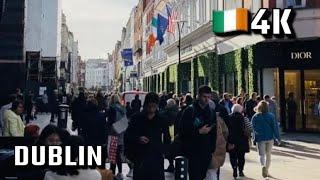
312 99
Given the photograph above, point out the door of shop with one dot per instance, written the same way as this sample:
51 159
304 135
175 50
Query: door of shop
301 112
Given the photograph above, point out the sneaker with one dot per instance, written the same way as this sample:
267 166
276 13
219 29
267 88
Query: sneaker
170 169
241 174
130 174
119 176
264 172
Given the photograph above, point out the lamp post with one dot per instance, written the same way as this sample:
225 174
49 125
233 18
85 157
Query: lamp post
180 25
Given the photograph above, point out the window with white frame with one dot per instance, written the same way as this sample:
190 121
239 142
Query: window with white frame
202 11
208 10
197 12
232 4
255 6
248 4
296 3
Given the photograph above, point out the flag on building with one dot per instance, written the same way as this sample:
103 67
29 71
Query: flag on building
154 25
172 16
230 20
152 38
161 27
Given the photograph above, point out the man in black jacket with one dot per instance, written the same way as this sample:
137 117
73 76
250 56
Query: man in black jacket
250 105
136 104
198 134
143 140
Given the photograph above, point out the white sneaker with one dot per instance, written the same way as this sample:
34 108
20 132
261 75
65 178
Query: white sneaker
130 174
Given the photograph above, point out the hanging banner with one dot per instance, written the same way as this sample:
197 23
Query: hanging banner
127 57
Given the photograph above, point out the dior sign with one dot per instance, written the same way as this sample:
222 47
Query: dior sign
301 55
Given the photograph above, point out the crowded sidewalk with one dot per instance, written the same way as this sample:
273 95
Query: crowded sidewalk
294 160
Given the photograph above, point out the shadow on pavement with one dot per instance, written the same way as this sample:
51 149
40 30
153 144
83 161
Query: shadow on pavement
301 148
298 150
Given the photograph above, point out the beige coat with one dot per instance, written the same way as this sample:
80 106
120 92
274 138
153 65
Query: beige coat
219 155
13 124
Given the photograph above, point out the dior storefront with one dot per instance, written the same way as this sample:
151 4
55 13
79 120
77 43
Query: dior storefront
292 66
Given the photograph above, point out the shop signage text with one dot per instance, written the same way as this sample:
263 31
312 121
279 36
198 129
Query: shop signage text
301 55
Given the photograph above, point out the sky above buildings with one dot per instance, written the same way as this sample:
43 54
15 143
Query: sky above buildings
97 24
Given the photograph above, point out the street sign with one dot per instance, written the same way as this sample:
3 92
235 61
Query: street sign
127 57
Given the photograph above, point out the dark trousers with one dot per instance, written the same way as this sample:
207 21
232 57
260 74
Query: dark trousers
292 121
198 167
119 161
237 160
53 114
29 116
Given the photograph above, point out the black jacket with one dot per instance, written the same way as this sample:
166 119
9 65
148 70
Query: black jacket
78 113
148 159
136 105
249 107
237 135
96 129
193 143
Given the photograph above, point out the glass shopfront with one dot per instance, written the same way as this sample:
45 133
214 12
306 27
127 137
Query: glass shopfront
296 71
305 86
312 99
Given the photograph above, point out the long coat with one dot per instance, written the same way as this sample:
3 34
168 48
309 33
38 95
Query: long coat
237 135
196 147
96 133
148 159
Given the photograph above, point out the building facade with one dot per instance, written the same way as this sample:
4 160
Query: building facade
42 44
241 62
96 74
12 58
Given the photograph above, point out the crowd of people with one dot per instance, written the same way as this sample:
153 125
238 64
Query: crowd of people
142 134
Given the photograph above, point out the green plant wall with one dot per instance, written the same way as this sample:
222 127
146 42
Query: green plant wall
213 71
194 76
202 66
233 63
252 71
161 83
184 77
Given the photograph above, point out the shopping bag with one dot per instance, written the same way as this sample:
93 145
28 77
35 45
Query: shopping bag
121 125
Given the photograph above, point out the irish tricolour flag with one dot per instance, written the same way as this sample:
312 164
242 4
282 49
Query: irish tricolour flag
230 20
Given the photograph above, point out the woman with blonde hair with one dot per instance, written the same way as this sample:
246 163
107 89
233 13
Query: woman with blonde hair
265 129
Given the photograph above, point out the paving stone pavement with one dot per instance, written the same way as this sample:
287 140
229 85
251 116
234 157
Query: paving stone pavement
297 159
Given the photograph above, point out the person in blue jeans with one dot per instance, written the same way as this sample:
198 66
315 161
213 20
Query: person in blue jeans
266 130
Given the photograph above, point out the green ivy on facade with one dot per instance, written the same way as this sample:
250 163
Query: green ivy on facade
194 76
252 71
